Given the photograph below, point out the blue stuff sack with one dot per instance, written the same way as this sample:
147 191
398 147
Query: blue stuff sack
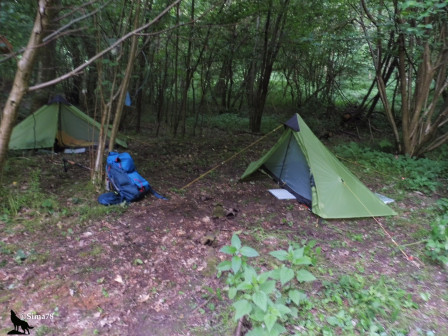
121 160
110 198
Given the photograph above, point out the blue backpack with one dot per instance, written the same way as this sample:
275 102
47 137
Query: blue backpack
129 185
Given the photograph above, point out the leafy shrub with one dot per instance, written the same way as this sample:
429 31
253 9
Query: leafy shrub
437 244
442 205
275 302
367 302
228 121
268 299
412 174
233 122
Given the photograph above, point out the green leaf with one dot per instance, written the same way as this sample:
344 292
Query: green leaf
232 292
262 277
268 286
250 275
302 261
297 296
245 286
269 320
277 329
311 244
258 331
280 255
282 309
242 307
260 299
334 321
138 262
305 276
248 252
286 274
294 312
275 274
228 250
236 264
257 314
226 265
298 253
236 242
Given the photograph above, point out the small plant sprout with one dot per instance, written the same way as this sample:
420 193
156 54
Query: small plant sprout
238 253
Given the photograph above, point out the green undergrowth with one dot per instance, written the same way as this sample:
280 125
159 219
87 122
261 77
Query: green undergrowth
234 123
21 198
424 175
28 205
25 199
437 242
281 300
358 304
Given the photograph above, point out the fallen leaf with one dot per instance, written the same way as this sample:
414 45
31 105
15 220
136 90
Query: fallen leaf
119 279
143 298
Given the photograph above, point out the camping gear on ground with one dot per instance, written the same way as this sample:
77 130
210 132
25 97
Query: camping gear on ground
57 123
124 178
301 164
67 162
110 198
282 194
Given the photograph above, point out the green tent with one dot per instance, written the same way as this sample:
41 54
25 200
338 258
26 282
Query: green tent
59 123
301 164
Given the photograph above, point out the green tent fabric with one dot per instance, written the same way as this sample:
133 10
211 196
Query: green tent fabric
302 164
58 122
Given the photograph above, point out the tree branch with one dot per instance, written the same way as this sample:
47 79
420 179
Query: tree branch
55 34
80 68
366 10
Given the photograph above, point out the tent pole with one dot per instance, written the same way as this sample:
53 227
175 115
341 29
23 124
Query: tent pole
284 157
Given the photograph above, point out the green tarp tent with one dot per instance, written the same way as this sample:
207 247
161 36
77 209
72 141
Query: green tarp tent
302 164
59 123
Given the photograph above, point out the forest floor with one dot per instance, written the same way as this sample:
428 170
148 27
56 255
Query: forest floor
150 268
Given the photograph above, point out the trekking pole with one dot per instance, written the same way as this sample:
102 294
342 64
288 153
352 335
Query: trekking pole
74 164
230 158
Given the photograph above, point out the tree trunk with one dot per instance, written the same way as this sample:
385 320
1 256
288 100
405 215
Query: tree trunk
46 59
125 82
423 83
271 46
376 53
175 115
21 80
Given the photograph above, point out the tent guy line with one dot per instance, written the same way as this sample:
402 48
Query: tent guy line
408 257
230 158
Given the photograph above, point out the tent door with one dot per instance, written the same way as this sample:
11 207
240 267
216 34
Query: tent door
288 166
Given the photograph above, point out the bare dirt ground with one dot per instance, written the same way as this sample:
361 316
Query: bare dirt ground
151 270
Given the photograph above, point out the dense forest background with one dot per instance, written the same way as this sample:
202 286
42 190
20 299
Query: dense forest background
380 62
207 81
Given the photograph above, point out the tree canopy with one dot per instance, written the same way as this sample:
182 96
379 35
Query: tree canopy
182 60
